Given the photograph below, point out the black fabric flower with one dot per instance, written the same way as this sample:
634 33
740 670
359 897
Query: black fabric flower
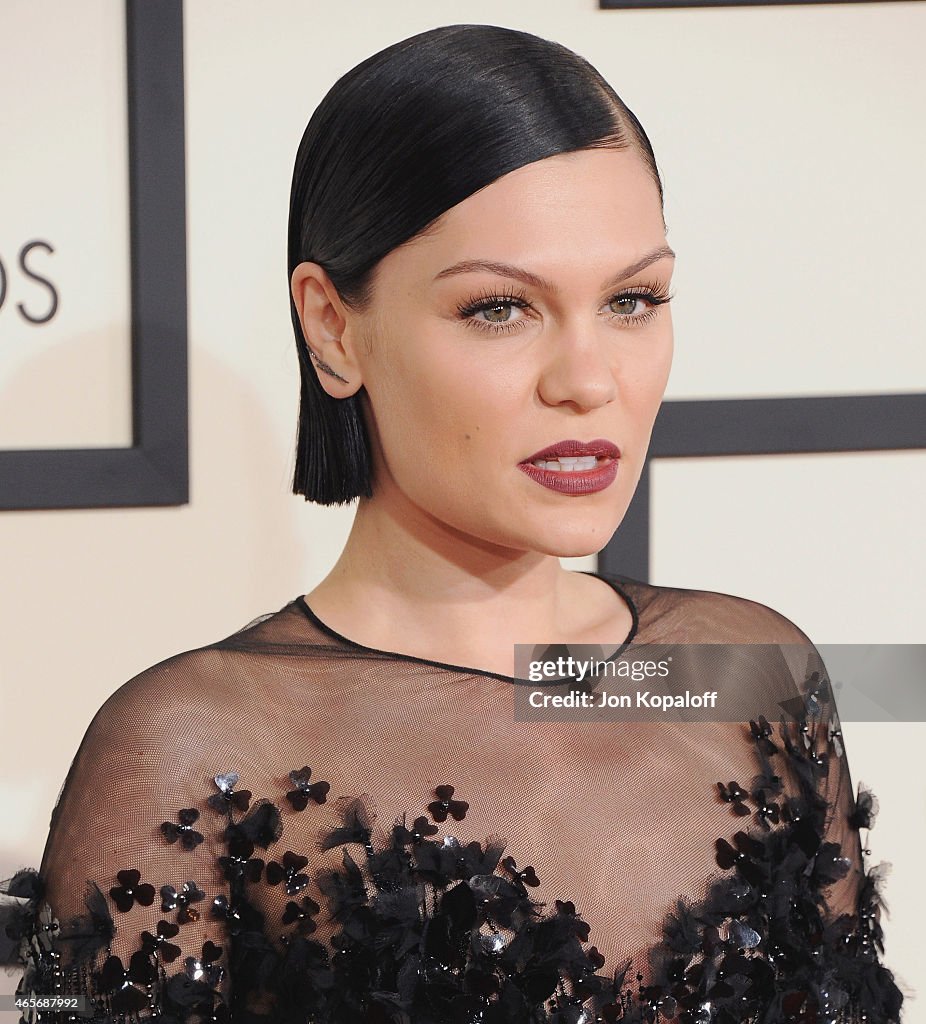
119 981
358 816
238 914
131 890
420 829
435 862
289 872
865 810
238 863
188 836
158 942
302 913
262 825
25 890
762 733
204 967
445 804
768 810
227 798
734 794
182 901
305 790
345 890
86 934
189 998
523 876
391 869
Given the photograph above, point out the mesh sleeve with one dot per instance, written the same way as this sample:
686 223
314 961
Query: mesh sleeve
798 889
123 909
789 927
851 940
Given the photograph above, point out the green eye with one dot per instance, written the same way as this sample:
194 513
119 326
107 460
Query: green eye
493 312
628 300
652 295
490 312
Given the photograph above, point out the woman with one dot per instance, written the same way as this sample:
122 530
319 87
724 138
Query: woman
346 811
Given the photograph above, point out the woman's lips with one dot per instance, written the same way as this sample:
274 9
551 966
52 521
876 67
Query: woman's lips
574 480
574 467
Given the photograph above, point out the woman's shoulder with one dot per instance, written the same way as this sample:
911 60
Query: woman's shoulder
194 689
698 615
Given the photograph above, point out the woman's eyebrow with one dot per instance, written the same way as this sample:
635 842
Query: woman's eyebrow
508 270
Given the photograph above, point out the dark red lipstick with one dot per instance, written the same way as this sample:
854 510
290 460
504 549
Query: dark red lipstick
581 467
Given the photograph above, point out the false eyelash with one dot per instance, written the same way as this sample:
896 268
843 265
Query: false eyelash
653 292
489 298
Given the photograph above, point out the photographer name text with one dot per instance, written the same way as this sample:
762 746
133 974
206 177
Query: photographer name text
641 699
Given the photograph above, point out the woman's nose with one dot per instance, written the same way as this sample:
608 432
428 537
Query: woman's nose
577 369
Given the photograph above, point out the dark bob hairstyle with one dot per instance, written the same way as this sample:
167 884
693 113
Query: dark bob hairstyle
390 149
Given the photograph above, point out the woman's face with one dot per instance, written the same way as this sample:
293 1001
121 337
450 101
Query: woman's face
517 323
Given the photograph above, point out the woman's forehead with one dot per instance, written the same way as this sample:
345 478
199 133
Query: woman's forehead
590 205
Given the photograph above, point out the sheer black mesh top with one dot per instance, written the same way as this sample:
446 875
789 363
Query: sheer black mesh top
285 826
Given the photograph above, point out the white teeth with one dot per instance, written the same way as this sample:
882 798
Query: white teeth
568 464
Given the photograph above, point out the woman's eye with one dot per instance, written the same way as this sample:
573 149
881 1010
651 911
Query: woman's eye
625 304
637 307
493 312
497 314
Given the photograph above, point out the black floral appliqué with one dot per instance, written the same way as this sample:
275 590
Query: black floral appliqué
131 890
204 968
227 797
735 794
303 913
420 829
167 951
305 790
289 872
445 804
182 901
358 816
238 862
188 836
118 980
524 876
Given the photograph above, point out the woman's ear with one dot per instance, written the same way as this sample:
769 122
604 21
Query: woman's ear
324 319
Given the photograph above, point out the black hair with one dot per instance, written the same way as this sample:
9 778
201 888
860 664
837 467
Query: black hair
396 142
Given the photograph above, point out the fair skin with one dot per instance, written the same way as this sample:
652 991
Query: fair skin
455 558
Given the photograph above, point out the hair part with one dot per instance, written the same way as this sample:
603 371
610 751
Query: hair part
390 149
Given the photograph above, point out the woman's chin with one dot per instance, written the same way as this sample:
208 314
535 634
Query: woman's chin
575 544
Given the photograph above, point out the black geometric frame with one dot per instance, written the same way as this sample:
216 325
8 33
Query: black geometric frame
761 426
155 469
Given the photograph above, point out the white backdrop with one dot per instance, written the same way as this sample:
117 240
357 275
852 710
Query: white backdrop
792 145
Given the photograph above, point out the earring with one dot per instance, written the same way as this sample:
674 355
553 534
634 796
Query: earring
322 365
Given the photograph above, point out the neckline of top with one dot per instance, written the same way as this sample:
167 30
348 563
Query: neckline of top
303 605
